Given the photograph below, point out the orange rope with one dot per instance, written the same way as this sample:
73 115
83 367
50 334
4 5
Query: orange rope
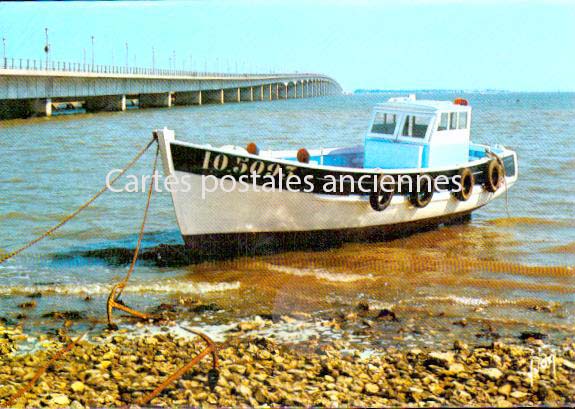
78 210
42 370
142 226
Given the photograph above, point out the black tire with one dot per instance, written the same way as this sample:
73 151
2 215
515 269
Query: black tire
381 199
420 196
467 181
493 175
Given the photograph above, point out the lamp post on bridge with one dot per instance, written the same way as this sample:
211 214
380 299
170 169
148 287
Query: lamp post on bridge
127 51
92 52
47 47
4 47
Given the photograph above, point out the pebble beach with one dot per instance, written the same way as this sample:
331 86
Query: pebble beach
117 368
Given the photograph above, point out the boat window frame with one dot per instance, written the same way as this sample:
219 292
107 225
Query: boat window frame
415 140
450 114
398 120
459 115
442 115
453 126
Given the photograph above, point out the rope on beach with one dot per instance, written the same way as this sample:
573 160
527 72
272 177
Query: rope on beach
116 291
79 209
42 370
113 301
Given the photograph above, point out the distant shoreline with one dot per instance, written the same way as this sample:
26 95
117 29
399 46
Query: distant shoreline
452 91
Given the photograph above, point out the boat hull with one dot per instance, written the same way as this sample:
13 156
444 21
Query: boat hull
233 218
227 244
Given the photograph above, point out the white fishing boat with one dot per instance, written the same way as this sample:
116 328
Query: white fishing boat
416 168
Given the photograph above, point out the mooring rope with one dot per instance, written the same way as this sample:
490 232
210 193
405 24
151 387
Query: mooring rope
213 374
79 209
59 354
143 225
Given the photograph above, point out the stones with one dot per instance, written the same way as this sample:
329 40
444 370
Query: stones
363 306
371 388
118 368
59 400
76 405
211 307
78 387
568 364
105 365
454 369
493 374
244 391
443 359
460 346
65 315
504 390
518 395
386 315
524 336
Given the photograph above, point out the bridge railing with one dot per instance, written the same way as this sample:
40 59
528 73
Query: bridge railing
27 64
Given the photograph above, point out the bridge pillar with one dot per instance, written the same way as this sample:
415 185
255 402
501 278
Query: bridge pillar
247 94
41 107
188 98
156 100
301 86
290 90
232 95
275 91
283 91
214 96
105 103
267 89
258 93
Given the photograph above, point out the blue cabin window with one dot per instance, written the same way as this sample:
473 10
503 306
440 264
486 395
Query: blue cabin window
384 123
415 126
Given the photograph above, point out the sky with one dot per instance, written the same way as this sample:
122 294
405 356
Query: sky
403 44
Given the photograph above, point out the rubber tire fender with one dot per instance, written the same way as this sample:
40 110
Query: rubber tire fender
422 199
380 199
493 175
467 181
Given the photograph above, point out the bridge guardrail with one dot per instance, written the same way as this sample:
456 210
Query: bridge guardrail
29 64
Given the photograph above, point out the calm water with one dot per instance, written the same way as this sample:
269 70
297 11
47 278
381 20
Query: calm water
50 166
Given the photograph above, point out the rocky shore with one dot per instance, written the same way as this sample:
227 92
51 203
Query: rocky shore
118 368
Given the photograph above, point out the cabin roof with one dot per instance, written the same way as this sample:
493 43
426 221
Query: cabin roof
423 105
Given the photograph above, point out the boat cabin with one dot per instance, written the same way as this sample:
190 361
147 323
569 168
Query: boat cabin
409 133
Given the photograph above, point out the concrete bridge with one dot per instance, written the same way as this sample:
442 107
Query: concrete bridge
30 88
